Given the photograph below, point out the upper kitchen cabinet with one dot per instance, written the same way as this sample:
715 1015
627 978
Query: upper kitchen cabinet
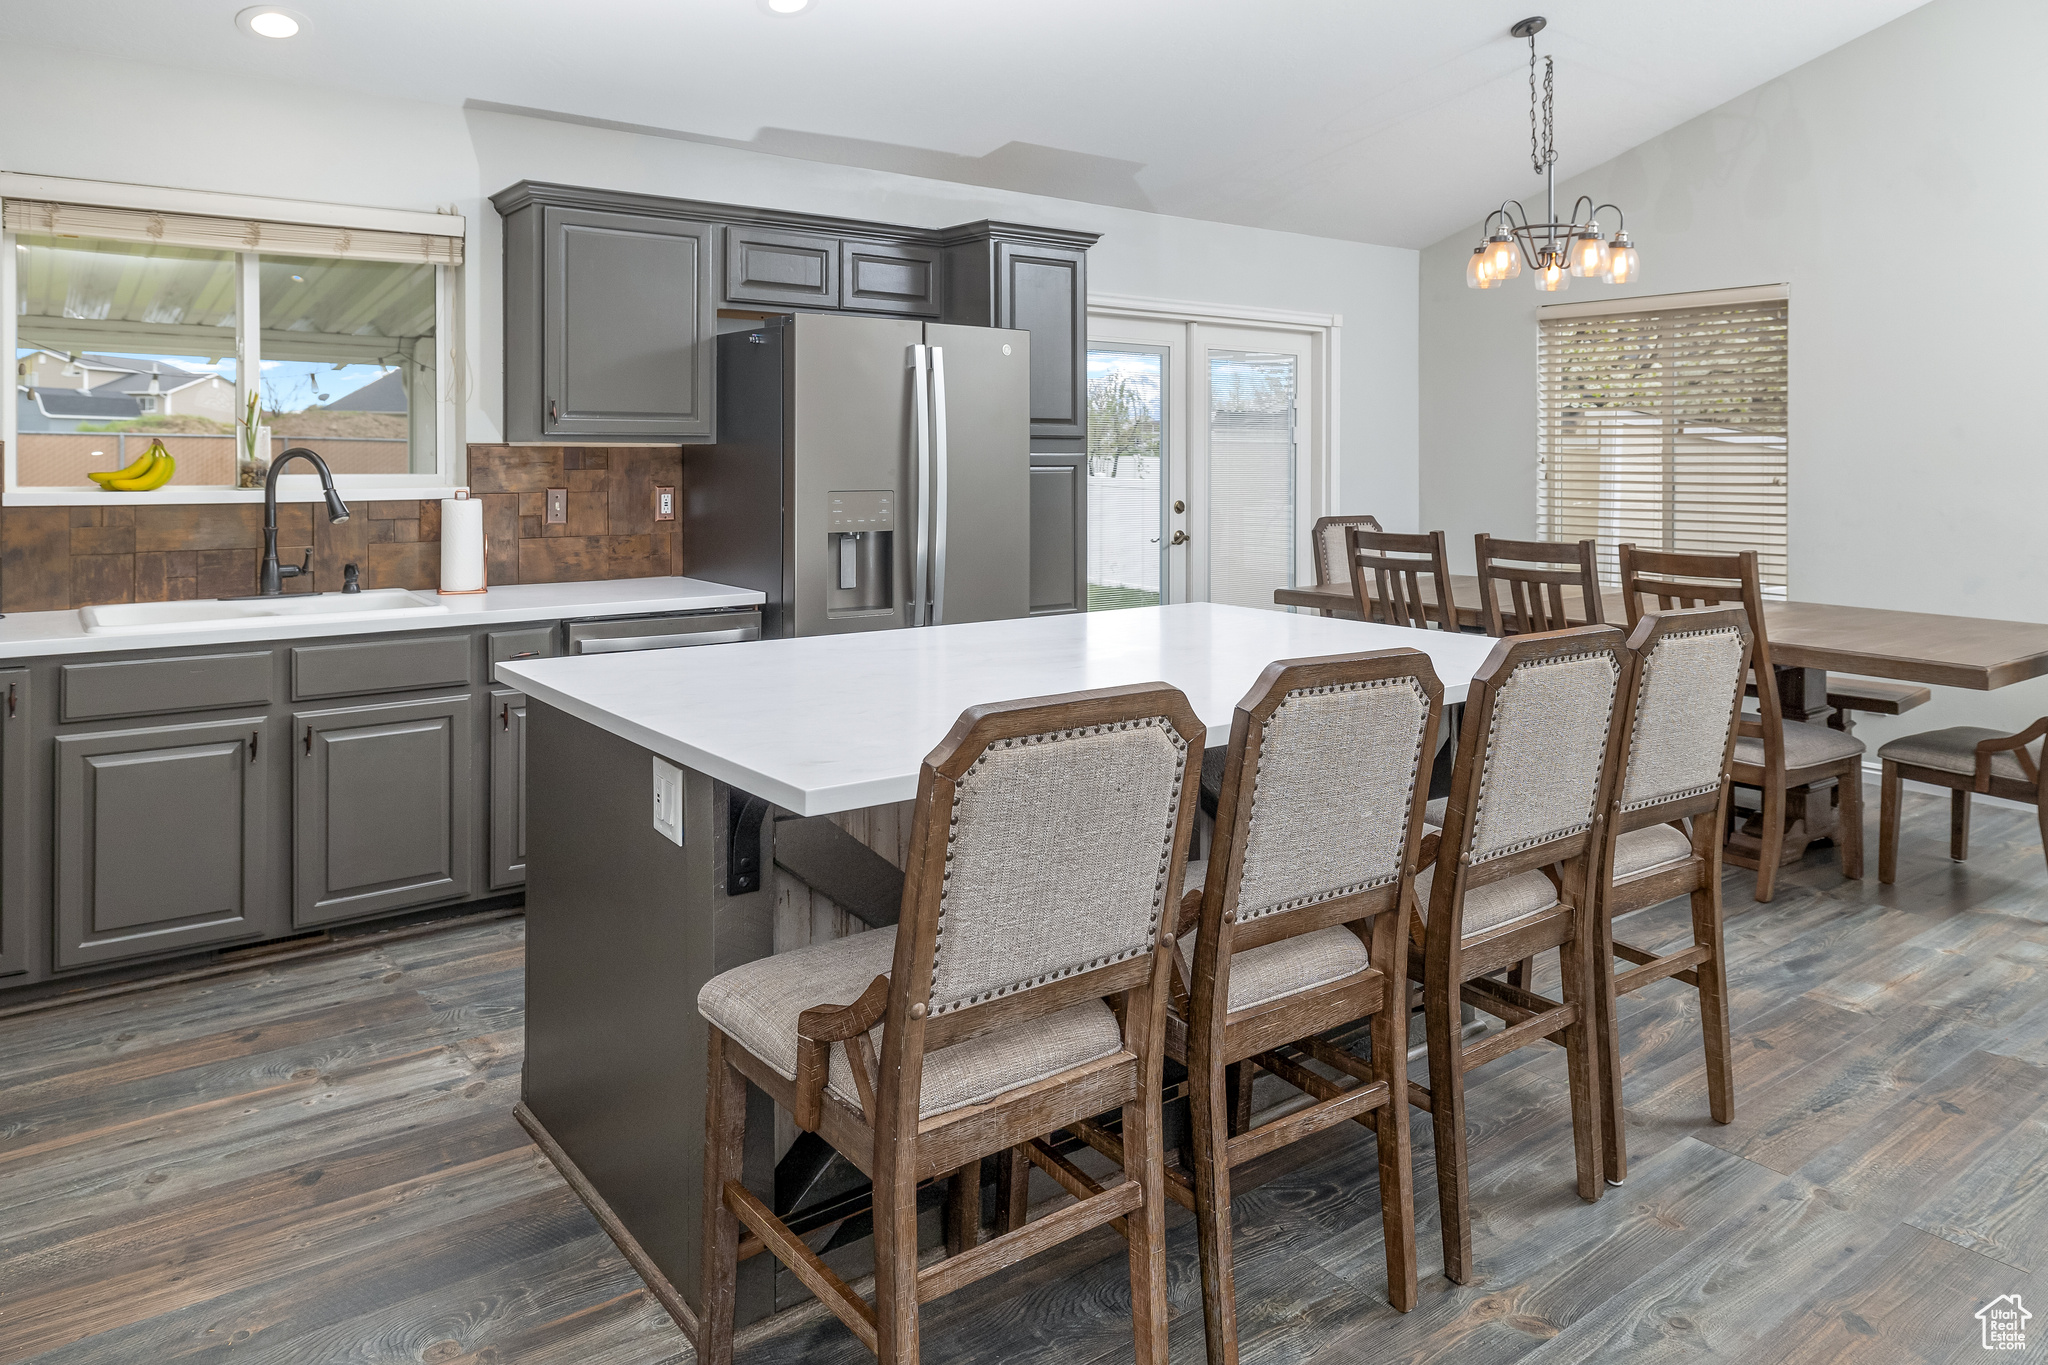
609 323
1034 279
611 303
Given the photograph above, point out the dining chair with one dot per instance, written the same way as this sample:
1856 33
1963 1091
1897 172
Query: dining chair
1509 875
1772 755
1396 564
1965 759
1536 594
1023 990
1300 927
1332 563
1677 714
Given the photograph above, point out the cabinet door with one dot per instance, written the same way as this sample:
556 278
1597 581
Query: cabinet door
889 277
1044 291
508 788
14 822
629 321
160 838
381 815
766 266
1059 533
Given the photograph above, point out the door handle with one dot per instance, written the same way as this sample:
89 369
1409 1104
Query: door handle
255 738
938 361
10 701
553 415
1179 538
309 741
505 716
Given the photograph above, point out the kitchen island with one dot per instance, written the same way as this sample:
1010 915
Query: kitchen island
774 740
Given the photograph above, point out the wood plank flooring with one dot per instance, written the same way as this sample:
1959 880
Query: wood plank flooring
317 1162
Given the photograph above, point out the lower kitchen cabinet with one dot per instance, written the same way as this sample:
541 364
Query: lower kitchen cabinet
508 788
381 816
161 838
15 883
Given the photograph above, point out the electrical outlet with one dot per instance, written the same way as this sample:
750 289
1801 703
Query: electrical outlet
558 506
668 801
664 503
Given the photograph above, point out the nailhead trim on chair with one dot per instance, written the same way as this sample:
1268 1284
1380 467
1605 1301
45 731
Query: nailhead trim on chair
1180 762
1636 722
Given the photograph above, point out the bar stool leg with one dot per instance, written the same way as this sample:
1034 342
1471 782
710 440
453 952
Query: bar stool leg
1959 825
1211 1115
1447 1119
1582 1061
725 1130
1607 1030
1707 928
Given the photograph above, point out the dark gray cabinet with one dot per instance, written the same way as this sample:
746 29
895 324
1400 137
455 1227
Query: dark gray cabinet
890 277
381 808
161 838
608 323
508 788
16 897
1059 533
1044 291
799 269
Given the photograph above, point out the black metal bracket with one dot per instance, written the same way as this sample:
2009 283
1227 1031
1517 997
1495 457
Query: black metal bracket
743 816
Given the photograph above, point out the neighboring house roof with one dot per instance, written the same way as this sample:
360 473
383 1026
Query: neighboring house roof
128 364
386 393
72 403
167 382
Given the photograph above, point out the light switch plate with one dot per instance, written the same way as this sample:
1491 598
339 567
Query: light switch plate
668 801
558 506
664 503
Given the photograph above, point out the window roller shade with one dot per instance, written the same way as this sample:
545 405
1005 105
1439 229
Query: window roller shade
51 219
1666 427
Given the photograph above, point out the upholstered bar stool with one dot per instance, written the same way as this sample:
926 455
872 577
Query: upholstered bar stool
1529 795
1024 990
1332 560
1965 759
1301 927
1677 713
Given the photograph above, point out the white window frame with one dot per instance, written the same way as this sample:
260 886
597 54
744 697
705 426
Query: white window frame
450 455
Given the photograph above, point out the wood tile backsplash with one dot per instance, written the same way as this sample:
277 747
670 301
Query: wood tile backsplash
52 558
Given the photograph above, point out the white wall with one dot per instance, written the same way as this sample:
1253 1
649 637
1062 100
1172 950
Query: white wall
64 114
1894 184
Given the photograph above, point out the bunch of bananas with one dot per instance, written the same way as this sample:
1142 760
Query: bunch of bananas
153 470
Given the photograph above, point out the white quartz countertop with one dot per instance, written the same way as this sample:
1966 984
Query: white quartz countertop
838 722
39 634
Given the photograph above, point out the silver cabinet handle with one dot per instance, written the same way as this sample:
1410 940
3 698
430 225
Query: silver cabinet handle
624 644
920 460
938 354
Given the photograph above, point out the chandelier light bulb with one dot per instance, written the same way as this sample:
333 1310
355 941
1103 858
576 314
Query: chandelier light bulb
1553 276
1622 266
1589 253
1503 256
1479 270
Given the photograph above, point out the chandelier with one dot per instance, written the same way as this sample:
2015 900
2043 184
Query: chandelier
1557 249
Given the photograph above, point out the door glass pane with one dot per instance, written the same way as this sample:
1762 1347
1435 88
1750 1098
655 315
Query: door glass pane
348 361
1251 476
1126 440
120 344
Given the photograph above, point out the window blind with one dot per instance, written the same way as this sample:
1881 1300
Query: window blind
51 219
1666 426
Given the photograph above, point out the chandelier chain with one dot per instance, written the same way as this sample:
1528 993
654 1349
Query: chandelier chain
1543 151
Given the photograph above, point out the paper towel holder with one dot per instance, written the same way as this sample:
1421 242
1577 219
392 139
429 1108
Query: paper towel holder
462 495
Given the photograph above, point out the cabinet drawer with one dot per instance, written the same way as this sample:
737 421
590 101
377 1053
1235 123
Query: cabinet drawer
889 277
541 642
142 687
388 666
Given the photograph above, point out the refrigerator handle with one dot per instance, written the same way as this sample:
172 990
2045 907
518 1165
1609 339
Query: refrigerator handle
938 363
920 461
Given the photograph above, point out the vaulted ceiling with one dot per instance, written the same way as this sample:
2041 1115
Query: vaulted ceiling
1386 121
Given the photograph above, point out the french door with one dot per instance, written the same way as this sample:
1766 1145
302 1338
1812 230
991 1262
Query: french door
1202 461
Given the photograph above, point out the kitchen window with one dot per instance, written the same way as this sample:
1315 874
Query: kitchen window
1662 421
133 322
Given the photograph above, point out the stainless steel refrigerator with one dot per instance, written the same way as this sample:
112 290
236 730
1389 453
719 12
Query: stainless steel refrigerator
870 473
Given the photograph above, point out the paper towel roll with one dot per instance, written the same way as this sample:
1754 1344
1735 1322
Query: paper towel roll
462 545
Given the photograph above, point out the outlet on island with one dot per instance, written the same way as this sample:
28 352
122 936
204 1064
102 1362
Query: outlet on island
668 801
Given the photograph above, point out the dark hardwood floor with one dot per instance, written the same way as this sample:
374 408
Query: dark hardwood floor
317 1163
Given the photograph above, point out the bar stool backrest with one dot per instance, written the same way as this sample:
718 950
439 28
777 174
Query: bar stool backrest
1395 564
1681 717
1332 565
1675 580
1536 594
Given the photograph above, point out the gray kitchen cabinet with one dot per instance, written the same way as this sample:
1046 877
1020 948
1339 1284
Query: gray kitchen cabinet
609 324
15 882
1044 291
799 269
1059 533
381 816
508 788
162 838
890 277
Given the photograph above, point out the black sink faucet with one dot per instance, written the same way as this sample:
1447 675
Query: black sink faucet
270 578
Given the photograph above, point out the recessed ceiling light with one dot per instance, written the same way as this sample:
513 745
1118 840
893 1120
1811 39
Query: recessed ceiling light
785 6
268 21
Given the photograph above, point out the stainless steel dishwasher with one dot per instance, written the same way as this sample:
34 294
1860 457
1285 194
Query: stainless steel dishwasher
660 630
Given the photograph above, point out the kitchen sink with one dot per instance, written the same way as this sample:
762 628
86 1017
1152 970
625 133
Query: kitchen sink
226 613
